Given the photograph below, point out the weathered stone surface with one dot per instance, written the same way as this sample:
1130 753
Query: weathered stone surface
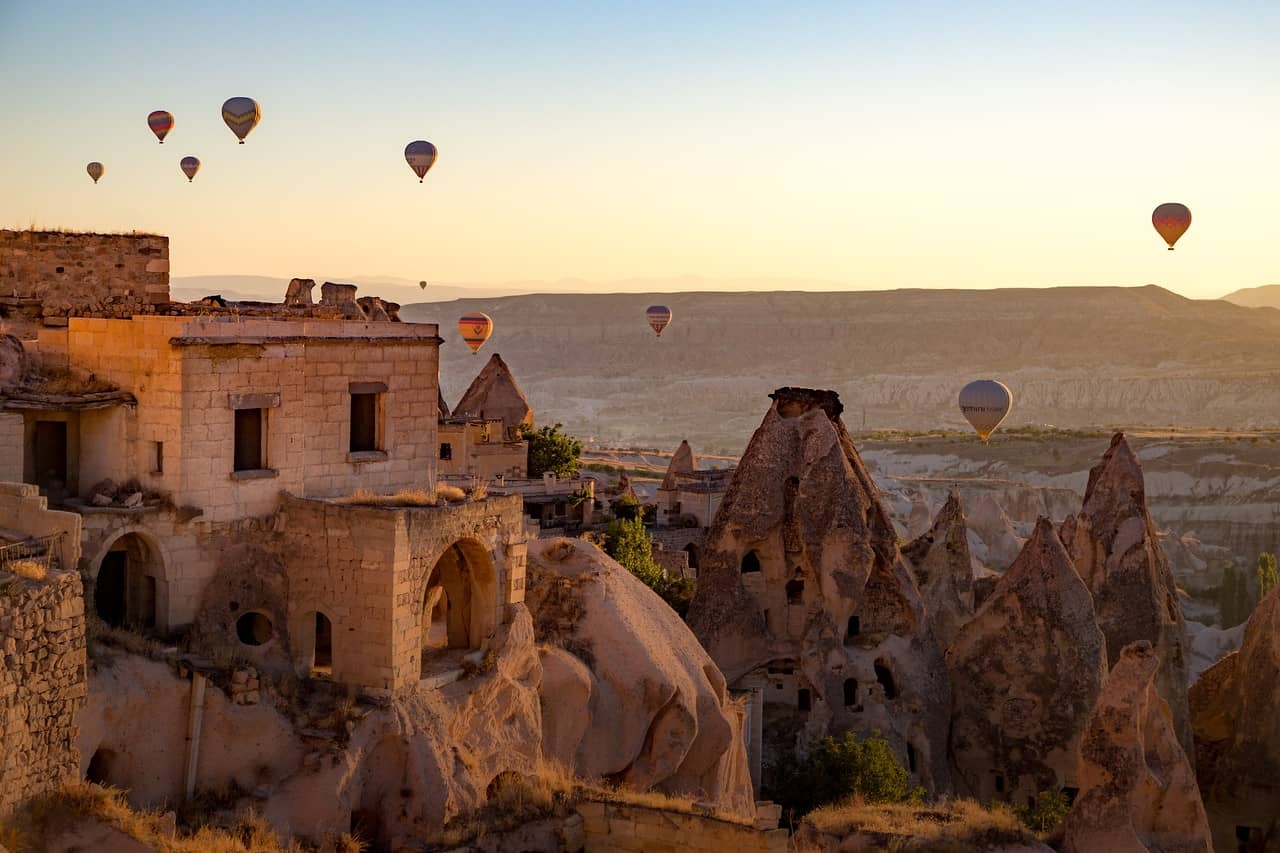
997 545
343 298
1025 674
1137 790
13 361
1233 713
495 394
629 695
682 462
1113 543
299 292
943 570
804 599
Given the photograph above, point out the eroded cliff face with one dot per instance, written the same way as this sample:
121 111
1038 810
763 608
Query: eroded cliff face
1137 790
1233 712
1113 544
804 599
943 568
628 694
1025 674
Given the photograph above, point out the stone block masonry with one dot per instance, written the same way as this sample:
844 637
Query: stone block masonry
85 275
614 828
43 683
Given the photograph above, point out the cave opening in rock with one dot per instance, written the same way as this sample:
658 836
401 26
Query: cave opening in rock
885 677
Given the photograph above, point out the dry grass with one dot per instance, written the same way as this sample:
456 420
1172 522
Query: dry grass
452 494
404 497
958 825
103 639
32 570
50 379
479 491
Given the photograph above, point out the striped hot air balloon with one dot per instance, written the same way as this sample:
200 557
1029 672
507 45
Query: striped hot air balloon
658 316
1171 221
95 170
190 165
421 156
985 403
241 115
160 122
475 329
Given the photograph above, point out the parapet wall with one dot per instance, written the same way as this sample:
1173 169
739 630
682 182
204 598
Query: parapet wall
617 828
82 275
43 683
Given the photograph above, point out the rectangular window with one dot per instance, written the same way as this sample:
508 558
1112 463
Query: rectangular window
249 439
446 451
157 462
364 423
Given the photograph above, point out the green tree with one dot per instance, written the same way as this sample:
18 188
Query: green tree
551 450
627 541
1050 809
841 767
1267 576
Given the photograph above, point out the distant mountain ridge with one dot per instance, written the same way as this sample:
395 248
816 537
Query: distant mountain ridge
1073 356
1265 296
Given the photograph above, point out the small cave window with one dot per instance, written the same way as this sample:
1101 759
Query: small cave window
795 591
850 692
254 628
1070 793
446 451
99 770
750 563
911 761
885 677
999 783
804 699
854 628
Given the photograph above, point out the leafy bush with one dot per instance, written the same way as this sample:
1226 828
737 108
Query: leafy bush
840 768
551 450
1050 809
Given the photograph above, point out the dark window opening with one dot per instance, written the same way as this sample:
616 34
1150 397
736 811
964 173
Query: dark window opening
692 551
804 700
850 692
323 659
109 590
248 438
795 591
1249 839
99 770
885 677
253 629
1070 793
750 563
854 629
51 455
446 451
999 783
911 759
158 466
366 824
364 422
60 269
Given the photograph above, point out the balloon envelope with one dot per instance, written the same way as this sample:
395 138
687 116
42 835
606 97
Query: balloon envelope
160 122
421 156
422 284
241 115
658 316
95 170
985 403
475 329
1171 221
190 165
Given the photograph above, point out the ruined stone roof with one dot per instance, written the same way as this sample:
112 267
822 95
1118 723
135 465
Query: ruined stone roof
682 462
495 394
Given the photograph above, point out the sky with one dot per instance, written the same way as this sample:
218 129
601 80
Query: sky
851 145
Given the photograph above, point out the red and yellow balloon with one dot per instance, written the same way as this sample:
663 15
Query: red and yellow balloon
475 329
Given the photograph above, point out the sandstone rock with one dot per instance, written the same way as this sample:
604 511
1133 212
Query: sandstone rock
944 571
133 500
373 309
630 696
804 599
14 362
992 526
1137 790
1025 674
682 462
1113 543
495 394
341 297
1208 644
101 500
299 292
1233 713
441 405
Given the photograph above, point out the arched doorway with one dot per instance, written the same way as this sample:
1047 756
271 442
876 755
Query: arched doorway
129 588
460 601
314 645
692 550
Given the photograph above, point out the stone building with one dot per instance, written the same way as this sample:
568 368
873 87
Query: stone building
688 495
804 601
197 439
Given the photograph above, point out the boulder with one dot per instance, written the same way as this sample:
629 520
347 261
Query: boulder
1025 674
1114 546
1137 790
943 569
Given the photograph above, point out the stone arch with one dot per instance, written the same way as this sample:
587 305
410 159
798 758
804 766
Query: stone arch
459 607
692 550
130 583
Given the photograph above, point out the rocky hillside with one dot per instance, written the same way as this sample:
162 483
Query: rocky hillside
1266 296
1073 357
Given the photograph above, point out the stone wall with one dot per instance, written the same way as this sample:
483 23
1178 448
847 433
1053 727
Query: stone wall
73 275
613 828
42 683
11 450
23 510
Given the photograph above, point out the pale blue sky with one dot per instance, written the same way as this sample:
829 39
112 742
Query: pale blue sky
874 145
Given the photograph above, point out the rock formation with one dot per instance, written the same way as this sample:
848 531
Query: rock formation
495 394
988 521
682 462
1137 790
1113 543
1233 713
299 292
944 571
1025 673
13 361
804 599
627 693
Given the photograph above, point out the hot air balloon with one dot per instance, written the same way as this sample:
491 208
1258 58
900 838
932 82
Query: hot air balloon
422 284
160 122
95 170
190 165
241 115
1172 221
985 403
658 316
421 156
475 329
